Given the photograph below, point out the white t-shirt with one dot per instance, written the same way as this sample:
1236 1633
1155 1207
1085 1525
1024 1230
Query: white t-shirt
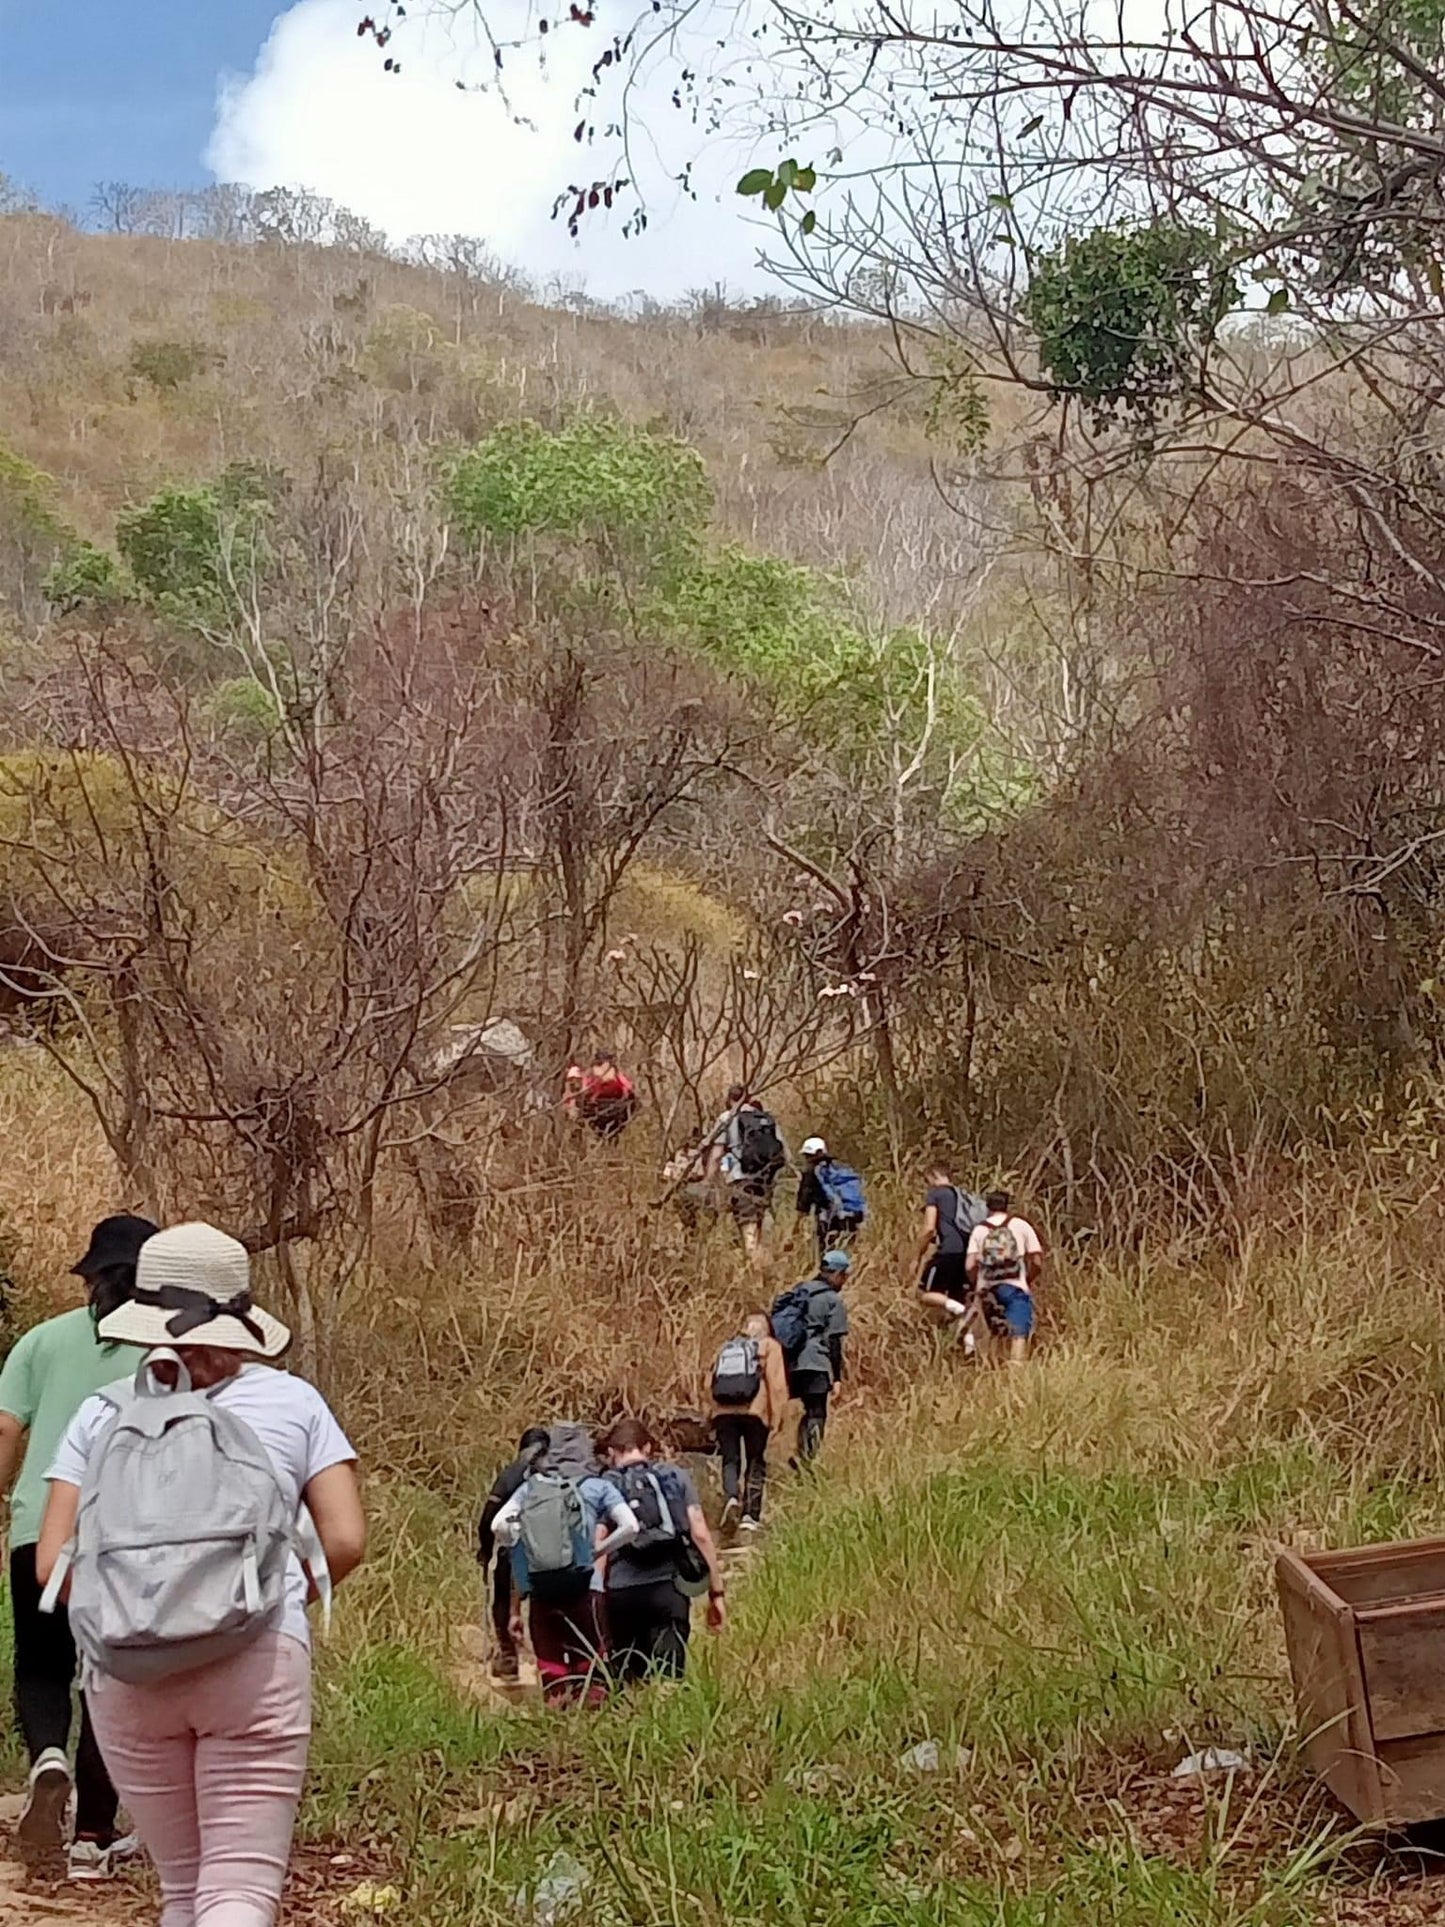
1024 1235
288 1415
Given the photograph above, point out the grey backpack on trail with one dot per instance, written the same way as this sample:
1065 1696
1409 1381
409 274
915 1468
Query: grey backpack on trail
183 1539
737 1377
552 1532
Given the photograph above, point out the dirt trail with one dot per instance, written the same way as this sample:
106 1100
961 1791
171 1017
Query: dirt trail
26 1902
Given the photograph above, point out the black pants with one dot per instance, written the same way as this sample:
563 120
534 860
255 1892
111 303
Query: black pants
502 1608
45 1667
647 1628
813 1390
742 1436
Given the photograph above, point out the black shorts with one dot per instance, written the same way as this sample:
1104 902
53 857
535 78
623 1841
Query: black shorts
947 1273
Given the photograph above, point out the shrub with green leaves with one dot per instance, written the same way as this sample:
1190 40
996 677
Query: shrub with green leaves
1122 314
639 500
168 365
84 577
243 707
188 547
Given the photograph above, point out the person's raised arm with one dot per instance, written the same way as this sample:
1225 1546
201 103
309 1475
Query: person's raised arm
333 1499
57 1527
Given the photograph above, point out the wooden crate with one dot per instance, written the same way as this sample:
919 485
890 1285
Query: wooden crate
1365 1631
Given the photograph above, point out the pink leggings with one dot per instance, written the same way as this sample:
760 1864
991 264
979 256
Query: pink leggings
211 1766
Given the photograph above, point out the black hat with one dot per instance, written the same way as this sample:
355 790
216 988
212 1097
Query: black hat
114 1241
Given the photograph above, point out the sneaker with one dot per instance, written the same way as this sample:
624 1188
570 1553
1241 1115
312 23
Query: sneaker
729 1513
89 1860
506 1669
752 1525
41 1830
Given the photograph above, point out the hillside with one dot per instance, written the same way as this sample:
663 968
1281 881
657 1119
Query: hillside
410 689
128 361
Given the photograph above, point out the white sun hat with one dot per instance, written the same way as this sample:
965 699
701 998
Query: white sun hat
814 1147
193 1287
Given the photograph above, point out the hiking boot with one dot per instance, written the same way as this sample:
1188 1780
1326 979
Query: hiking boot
506 1669
89 1860
41 1831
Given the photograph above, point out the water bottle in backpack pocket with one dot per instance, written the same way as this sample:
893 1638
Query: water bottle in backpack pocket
184 1536
737 1377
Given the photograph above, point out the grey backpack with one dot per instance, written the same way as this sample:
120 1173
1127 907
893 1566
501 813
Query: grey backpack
183 1539
552 1532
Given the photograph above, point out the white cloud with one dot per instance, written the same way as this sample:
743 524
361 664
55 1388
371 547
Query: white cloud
415 155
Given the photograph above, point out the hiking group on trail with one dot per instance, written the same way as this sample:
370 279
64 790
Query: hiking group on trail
606 1546
174 1517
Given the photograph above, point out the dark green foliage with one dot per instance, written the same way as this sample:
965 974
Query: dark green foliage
1123 317
168 365
188 548
84 577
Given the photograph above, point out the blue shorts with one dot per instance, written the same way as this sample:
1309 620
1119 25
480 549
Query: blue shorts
1017 1306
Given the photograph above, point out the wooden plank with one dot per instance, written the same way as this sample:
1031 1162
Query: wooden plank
1412 1780
1370 1575
1402 1650
1329 1687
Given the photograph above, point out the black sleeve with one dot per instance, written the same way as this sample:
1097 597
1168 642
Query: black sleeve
810 1194
835 1354
486 1542
504 1485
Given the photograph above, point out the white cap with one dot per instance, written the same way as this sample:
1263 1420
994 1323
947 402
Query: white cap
814 1147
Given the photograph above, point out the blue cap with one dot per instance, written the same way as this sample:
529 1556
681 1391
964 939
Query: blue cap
837 1261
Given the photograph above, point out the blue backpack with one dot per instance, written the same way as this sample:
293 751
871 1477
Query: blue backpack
792 1319
844 1188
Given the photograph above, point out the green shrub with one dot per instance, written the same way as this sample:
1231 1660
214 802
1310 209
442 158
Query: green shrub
243 707
83 577
168 365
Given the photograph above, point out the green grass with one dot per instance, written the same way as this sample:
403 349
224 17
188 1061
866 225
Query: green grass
1044 1626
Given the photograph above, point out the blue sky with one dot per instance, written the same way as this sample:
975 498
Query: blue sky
92 90
175 93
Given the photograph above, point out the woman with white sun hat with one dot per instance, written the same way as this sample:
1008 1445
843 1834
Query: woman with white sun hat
209 1757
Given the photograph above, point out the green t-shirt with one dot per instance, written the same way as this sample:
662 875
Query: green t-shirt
46 1379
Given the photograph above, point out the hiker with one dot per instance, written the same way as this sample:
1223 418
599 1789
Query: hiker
746 1150
749 1405
831 1193
652 1582
949 1216
187 1588
506 1666
606 1097
48 1376
692 1190
1005 1257
810 1322
562 1523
